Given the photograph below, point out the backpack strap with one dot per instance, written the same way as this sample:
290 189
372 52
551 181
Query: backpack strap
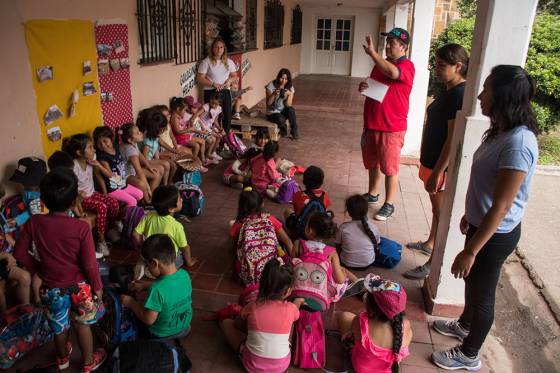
312 196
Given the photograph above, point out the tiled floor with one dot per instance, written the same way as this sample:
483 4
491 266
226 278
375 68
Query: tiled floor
329 115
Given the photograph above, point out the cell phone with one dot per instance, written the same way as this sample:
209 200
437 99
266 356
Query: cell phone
4 223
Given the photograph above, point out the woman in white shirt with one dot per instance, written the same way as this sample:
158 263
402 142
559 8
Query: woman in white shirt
215 73
279 97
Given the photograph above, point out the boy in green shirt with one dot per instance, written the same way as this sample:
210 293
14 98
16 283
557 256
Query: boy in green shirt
167 311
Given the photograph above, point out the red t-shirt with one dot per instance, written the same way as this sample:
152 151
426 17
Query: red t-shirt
65 249
301 198
236 227
391 114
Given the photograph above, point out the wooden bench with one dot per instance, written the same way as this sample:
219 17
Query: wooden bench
247 127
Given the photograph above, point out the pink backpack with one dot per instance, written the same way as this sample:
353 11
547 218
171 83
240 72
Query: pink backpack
257 244
312 279
310 340
237 147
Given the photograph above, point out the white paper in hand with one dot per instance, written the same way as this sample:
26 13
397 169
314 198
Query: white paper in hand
375 90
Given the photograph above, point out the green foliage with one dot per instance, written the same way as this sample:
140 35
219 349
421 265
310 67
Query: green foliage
549 149
543 62
467 8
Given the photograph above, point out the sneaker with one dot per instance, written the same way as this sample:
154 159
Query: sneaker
203 169
451 329
98 255
371 198
236 116
216 156
98 358
385 212
355 288
210 161
418 273
237 186
64 362
455 359
420 246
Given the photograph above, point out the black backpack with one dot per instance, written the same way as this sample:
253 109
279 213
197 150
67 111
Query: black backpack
315 204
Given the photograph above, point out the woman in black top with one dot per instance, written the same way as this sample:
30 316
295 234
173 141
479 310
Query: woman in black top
451 69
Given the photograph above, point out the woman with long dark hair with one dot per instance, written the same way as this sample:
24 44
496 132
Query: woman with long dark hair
216 73
452 61
279 97
499 185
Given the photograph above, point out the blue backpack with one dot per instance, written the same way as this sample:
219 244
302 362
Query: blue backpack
315 204
193 199
194 178
387 253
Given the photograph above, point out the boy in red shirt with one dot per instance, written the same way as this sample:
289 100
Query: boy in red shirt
60 248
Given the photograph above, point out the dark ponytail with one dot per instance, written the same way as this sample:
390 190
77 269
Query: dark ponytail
357 207
275 279
397 326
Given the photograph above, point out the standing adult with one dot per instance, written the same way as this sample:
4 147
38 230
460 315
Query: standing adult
279 97
451 66
385 121
499 185
216 73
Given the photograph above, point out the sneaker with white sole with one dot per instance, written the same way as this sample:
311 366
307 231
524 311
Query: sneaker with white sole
451 329
98 358
418 273
355 288
372 199
64 363
385 212
236 116
420 247
454 359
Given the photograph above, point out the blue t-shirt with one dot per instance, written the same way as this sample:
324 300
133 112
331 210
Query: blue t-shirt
153 145
516 149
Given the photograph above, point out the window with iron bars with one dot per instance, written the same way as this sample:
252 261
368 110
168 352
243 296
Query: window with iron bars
170 30
297 22
251 24
273 23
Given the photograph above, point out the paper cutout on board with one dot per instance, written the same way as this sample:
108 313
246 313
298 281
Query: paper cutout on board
106 96
87 67
45 73
124 62
54 134
88 89
52 115
115 64
103 67
118 46
104 49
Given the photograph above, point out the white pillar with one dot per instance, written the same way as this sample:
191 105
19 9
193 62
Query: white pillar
502 35
401 15
421 36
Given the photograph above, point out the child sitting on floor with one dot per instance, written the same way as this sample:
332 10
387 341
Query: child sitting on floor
65 260
167 311
169 149
239 172
81 149
138 172
110 158
358 238
29 173
265 176
167 202
380 336
266 346
156 124
320 228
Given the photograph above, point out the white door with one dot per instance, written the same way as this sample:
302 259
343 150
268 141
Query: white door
333 46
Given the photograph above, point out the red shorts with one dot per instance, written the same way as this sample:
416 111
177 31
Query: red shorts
383 150
424 174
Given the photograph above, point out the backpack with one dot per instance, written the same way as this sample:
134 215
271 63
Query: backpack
11 208
193 199
387 253
311 279
256 245
287 191
235 145
119 323
314 204
193 178
23 329
147 356
310 340
132 217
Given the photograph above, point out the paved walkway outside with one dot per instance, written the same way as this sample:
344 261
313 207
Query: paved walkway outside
329 115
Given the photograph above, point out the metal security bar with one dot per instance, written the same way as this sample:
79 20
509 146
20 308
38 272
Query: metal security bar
297 23
251 24
273 24
189 31
156 30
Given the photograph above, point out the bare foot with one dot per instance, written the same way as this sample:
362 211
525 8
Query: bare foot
192 262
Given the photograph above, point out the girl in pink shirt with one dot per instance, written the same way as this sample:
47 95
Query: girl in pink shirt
380 335
265 176
266 346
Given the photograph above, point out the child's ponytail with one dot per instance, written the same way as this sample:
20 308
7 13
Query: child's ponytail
250 202
397 326
276 278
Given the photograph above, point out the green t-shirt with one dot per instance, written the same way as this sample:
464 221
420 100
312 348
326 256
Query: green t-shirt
153 223
171 297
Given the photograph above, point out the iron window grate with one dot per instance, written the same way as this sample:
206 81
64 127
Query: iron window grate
297 23
251 24
273 24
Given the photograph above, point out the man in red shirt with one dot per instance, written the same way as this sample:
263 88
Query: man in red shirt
385 121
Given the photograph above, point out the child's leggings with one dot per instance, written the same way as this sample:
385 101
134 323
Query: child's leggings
129 195
104 206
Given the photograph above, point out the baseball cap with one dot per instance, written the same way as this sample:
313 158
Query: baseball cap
398 33
389 295
29 171
191 101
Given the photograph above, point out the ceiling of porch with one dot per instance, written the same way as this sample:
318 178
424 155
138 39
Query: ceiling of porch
349 3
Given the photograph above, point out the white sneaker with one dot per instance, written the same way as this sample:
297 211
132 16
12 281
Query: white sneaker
236 116
216 156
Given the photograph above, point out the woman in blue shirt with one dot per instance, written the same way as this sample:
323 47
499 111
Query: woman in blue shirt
501 174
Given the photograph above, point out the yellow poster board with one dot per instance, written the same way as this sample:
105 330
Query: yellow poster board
64 45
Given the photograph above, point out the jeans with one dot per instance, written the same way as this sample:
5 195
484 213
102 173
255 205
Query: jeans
225 101
480 287
288 113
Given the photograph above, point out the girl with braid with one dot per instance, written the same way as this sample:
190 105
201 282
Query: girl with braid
378 337
358 238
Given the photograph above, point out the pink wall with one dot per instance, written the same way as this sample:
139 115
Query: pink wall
153 84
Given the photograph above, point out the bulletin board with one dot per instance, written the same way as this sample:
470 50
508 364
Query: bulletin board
63 63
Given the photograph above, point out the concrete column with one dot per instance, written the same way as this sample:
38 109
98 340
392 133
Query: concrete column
419 51
502 35
401 15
